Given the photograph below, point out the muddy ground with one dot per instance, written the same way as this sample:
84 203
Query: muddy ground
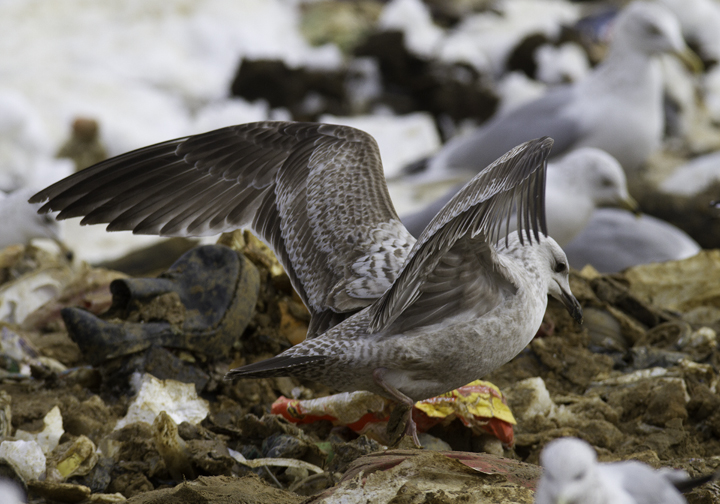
638 380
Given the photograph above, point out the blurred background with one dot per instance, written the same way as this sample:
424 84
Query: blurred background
84 80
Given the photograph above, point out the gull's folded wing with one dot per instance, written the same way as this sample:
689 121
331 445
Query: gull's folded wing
453 263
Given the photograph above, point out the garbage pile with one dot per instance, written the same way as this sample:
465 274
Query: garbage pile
112 388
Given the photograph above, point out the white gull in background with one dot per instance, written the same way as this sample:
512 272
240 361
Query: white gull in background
614 240
618 107
21 222
577 184
693 177
573 475
398 317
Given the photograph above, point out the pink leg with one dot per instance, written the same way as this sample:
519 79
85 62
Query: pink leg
410 428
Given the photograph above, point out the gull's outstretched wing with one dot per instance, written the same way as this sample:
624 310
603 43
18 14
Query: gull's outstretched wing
453 263
315 192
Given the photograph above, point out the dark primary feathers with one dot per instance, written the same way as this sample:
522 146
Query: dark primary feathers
315 192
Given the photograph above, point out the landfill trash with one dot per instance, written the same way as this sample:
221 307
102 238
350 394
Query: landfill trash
423 475
479 405
178 400
27 458
74 458
52 431
202 303
37 274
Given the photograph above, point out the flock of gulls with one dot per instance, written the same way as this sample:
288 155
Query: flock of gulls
413 308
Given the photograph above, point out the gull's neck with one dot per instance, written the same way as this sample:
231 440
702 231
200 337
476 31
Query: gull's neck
521 267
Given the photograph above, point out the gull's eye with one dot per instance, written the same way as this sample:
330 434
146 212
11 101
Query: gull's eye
579 476
560 267
653 30
606 182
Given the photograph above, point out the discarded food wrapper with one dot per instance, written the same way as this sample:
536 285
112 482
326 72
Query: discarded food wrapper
479 405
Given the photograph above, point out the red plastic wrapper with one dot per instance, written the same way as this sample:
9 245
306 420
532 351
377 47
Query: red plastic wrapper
479 405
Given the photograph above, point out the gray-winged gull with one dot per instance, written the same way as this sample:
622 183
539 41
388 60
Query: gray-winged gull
617 239
401 318
573 475
577 184
618 107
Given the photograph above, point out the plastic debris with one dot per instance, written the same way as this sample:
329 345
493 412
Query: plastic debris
52 431
76 458
179 400
479 406
26 457
278 462
42 283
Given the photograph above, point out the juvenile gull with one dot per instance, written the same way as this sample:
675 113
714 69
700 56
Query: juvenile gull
618 107
404 319
580 182
572 474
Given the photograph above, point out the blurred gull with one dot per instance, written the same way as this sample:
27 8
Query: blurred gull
21 222
618 107
572 475
695 176
614 240
577 184
11 492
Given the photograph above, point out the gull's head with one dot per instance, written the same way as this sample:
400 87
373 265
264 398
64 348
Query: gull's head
569 473
600 176
555 261
652 29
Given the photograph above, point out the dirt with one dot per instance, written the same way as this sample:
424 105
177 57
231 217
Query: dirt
638 380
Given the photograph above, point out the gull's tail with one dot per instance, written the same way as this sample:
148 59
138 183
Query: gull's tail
275 367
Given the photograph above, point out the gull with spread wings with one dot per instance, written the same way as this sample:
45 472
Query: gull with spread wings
402 318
